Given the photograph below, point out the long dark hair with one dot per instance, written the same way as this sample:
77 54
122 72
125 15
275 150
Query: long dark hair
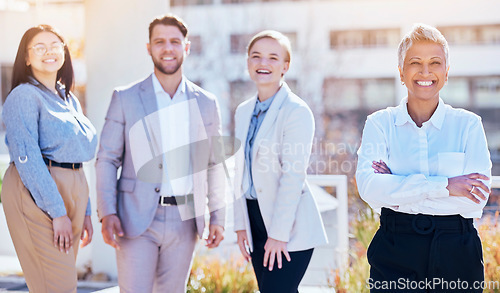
22 72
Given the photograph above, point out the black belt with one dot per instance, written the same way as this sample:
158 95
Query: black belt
176 200
73 166
423 224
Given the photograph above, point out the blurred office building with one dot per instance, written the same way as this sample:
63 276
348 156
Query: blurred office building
344 61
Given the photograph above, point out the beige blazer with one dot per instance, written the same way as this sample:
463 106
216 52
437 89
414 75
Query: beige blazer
281 152
134 198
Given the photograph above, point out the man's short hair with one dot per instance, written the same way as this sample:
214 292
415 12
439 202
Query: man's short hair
169 19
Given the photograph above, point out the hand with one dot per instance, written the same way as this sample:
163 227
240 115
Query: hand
215 236
87 232
243 244
468 186
381 167
274 248
111 226
63 233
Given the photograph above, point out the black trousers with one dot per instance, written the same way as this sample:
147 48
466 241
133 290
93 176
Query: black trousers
284 280
423 253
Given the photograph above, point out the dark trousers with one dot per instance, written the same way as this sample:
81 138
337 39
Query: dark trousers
284 280
423 253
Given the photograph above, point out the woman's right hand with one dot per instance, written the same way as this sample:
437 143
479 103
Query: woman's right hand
468 186
63 233
380 167
243 244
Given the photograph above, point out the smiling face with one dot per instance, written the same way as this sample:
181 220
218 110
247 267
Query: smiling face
168 48
266 62
424 70
51 61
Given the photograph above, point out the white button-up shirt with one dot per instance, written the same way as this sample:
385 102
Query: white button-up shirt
451 143
174 128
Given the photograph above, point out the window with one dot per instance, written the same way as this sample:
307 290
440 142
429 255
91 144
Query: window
378 93
364 38
457 92
256 1
196 46
190 2
470 35
239 42
352 94
487 91
341 94
479 93
5 80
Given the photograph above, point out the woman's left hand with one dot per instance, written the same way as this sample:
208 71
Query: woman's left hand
87 231
380 167
274 248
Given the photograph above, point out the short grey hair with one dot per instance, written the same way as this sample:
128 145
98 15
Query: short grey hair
422 32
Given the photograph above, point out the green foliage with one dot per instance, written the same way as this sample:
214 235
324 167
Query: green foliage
355 276
211 274
489 231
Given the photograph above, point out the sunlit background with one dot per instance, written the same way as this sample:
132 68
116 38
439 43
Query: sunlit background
344 62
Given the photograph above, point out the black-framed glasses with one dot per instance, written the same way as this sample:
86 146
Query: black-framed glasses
41 49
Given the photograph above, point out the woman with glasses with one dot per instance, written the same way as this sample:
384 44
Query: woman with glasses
276 218
45 193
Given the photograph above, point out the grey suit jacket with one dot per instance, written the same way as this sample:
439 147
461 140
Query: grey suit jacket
281 152
134 198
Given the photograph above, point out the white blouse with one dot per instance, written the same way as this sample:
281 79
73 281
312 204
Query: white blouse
451 143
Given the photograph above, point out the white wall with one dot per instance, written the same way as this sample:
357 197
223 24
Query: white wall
116 33
68 19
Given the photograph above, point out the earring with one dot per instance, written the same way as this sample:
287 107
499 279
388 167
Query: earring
402 83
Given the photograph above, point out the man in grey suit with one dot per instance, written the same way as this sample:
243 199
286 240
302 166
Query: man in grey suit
162 132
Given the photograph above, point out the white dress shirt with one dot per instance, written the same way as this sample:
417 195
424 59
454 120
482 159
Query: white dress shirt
451 143
174 128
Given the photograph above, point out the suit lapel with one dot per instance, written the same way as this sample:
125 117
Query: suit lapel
244 117
271 116
194 112
198 142
148 96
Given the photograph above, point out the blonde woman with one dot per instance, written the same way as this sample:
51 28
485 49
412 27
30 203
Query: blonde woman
276 218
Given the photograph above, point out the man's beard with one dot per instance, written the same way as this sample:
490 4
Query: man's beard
166 71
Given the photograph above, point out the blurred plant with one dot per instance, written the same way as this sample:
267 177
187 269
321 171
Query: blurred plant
211 274
355 276
489 231
365 226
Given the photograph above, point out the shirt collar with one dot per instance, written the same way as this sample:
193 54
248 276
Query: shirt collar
61 89
436 119
263 106
159 89
402 115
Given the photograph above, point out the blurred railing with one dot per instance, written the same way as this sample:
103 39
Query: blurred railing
340 184
495 182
